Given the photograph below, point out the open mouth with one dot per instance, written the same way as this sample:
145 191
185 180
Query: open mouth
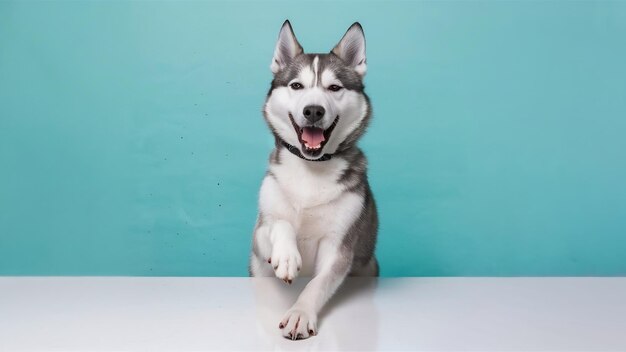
312 138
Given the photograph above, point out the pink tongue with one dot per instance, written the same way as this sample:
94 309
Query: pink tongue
313 136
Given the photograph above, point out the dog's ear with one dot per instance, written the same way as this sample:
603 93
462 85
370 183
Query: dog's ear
287 47
351 48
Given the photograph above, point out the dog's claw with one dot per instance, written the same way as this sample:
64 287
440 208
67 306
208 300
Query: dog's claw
269 261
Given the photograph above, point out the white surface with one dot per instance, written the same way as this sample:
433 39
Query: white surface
178 314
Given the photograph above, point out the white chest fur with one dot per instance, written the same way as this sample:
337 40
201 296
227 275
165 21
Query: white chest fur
309 184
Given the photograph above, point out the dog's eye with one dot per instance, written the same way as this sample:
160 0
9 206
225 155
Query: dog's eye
334 87
296 86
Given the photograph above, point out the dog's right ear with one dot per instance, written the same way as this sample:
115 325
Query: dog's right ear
287 47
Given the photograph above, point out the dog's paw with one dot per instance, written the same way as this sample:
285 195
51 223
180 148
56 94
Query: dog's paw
286 262
298 324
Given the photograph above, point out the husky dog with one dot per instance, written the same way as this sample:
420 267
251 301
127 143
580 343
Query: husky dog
317 215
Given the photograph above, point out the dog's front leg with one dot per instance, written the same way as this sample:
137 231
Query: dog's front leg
282 253
333 264
285 259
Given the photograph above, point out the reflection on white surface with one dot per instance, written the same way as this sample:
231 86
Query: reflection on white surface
417 314
354 326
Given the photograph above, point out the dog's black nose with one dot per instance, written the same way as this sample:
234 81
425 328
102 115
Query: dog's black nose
314 113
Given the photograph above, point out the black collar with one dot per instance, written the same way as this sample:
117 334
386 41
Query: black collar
295 151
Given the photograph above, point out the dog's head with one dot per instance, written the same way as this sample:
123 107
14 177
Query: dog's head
316 101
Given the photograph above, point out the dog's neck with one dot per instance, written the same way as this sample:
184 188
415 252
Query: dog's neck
295 151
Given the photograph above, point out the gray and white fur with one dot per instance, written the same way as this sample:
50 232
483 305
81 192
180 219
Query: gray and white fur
317 215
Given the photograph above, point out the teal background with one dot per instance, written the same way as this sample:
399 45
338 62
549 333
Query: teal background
132 143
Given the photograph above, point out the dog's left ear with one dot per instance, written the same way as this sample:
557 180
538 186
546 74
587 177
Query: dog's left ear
351 48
